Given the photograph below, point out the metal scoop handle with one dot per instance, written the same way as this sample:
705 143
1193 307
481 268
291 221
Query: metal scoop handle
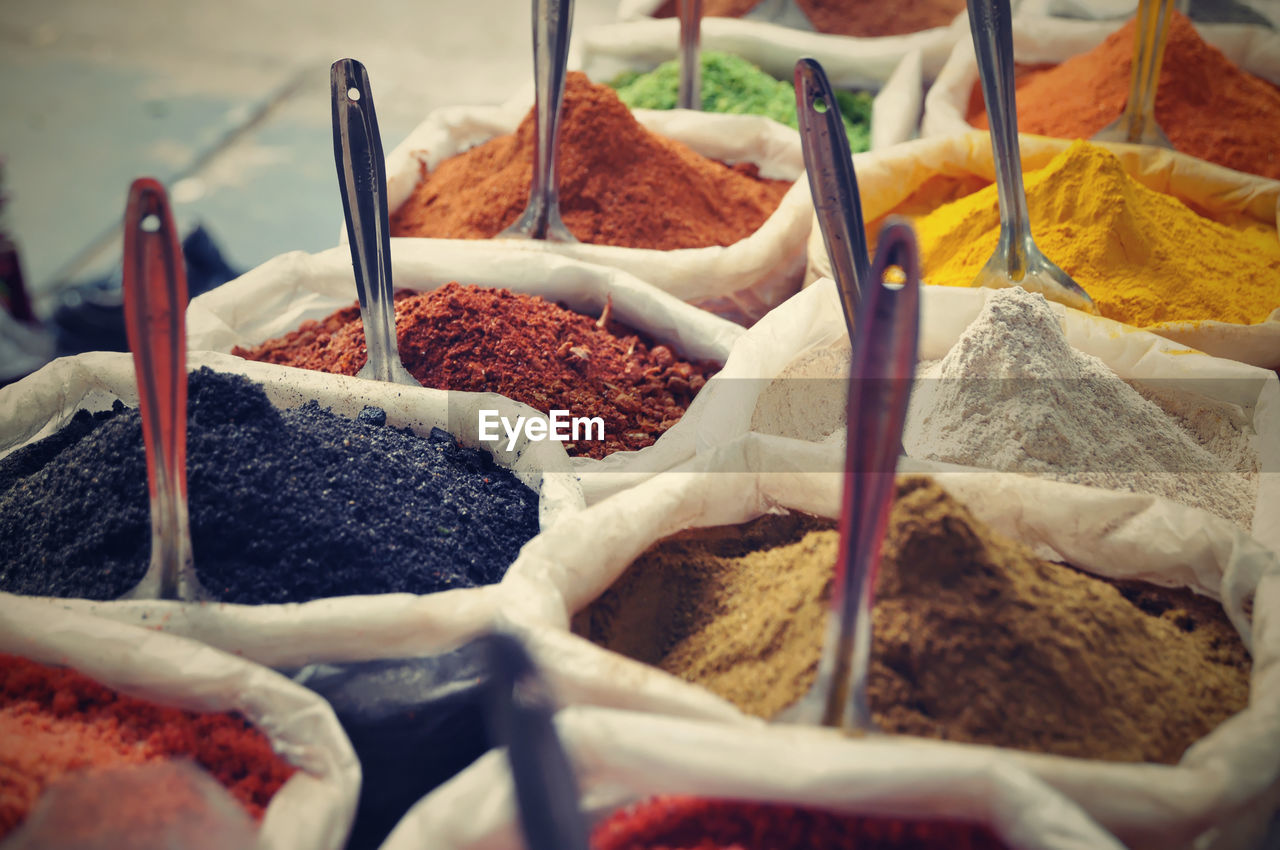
552 20
833 184
690 93
362 178
1017 260
155 303
884 361
520 718
1138 123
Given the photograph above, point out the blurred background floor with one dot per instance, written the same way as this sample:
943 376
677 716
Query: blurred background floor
228 104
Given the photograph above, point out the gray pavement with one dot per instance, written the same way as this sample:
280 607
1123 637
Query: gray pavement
228 103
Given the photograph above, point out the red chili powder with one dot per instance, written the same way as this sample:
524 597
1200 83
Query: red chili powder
54 721
1206 105
619 184
480 339
710 8
695 823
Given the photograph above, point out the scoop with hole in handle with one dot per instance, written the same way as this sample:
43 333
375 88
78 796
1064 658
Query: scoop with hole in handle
833 184
155 304
362 177
880 377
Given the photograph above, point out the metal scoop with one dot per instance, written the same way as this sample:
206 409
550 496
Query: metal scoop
155 304
690 94
833 184
1138 123
541 217
1017 261
519 716
362 177
880 377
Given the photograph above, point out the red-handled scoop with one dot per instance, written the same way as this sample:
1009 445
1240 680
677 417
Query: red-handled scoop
155 304
880 377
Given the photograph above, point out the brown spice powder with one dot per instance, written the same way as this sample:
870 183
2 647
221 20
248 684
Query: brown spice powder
478 339
975 639
619 184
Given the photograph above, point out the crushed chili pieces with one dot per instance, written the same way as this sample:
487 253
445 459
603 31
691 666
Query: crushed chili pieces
479 339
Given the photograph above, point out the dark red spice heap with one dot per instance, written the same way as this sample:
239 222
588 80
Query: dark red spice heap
480 339
695 823
54 721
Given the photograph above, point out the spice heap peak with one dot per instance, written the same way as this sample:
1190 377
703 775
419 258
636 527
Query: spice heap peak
974 638
1206 105
481 339
1144 256
619 184
1012 394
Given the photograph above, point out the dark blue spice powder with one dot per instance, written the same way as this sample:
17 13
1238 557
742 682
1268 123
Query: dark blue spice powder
285 505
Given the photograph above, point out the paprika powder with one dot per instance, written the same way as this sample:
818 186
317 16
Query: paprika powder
619 184
55 720
1207 106
479 339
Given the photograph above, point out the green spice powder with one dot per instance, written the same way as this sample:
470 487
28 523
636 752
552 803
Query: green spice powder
733 85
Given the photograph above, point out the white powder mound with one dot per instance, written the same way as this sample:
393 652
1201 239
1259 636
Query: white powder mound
1013 395
808 398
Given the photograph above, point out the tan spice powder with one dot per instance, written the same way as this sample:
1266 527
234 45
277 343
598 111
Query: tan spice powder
975 639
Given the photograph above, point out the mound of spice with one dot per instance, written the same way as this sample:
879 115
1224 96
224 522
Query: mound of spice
696 823
55 721
1206 105
858 18
974 638
619 184
157 805
285 505
733 85
1012 394
477 339
1144 257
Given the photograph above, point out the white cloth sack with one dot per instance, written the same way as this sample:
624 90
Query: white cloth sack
857 61
1039 40
643 45
279 295
887 178
740 281
1219 782
813 320
323 630
621 757
312 810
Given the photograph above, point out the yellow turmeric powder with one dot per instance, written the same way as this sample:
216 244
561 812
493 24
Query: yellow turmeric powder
1143 256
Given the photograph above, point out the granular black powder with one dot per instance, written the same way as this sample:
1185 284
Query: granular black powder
285 505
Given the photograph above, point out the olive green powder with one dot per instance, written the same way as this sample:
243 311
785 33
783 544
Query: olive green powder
733 85
974 639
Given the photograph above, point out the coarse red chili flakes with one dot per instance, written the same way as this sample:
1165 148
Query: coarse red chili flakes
481 339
